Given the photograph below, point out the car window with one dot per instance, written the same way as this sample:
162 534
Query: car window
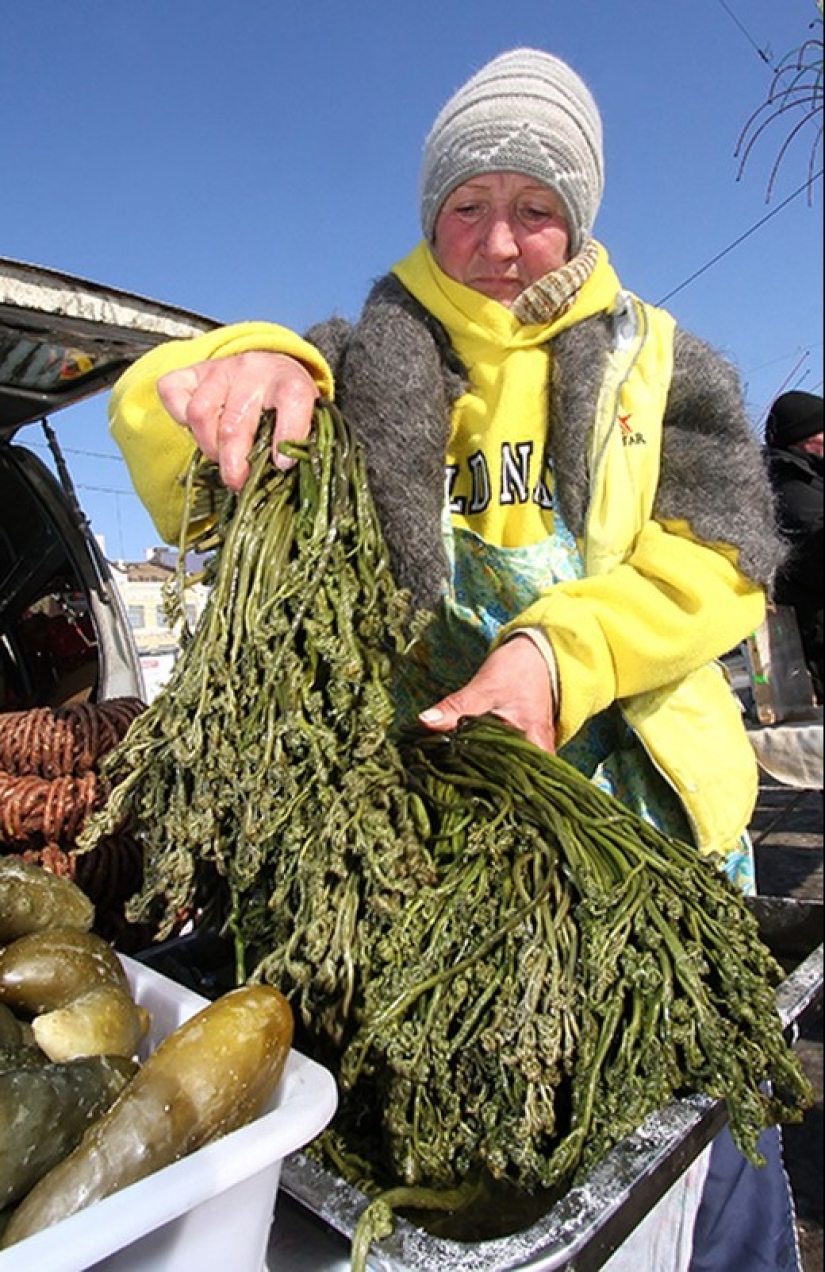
49 651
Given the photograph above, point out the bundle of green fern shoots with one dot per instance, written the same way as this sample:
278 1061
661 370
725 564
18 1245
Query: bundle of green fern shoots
505 969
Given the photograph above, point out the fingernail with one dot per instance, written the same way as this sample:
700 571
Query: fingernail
431 716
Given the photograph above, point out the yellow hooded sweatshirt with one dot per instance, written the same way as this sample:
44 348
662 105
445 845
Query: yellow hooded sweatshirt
655 605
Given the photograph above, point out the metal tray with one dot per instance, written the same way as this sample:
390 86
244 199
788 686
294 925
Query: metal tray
582 1229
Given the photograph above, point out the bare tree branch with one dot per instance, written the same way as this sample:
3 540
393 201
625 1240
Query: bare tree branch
796 87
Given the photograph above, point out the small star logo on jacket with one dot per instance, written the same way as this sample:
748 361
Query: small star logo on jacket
630 435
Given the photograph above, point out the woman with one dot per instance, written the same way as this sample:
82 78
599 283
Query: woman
552 461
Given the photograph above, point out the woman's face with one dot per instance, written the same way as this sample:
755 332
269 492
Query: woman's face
499 232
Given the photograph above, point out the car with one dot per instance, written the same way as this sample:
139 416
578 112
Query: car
64 633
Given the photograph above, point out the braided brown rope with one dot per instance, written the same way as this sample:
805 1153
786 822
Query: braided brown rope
49 785
64 741
35 811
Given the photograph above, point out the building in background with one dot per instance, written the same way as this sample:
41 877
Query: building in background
141 585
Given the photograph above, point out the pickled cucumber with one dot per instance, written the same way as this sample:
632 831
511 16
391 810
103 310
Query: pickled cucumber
32 898
105 1020
213 1074
44 1112
11 1030
45 970
18 1050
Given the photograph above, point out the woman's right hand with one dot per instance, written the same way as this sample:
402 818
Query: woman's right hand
220 401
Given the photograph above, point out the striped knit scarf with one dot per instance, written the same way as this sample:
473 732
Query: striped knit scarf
551 295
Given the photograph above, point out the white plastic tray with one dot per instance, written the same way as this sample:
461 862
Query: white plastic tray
211 1210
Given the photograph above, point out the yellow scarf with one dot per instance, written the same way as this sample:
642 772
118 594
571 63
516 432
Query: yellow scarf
498 483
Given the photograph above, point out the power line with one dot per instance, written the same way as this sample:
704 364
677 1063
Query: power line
782 359
719 256
104 490
74 450
84 454
783 386
762 53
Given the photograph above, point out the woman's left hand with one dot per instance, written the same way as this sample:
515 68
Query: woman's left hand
514 683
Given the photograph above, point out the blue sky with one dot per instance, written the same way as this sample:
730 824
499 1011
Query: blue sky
260 160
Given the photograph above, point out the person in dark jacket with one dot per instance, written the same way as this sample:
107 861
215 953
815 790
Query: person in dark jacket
793 438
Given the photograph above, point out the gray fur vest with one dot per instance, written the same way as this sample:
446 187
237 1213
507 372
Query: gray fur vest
397 377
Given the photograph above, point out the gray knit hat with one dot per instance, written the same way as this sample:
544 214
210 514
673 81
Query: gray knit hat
524 112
